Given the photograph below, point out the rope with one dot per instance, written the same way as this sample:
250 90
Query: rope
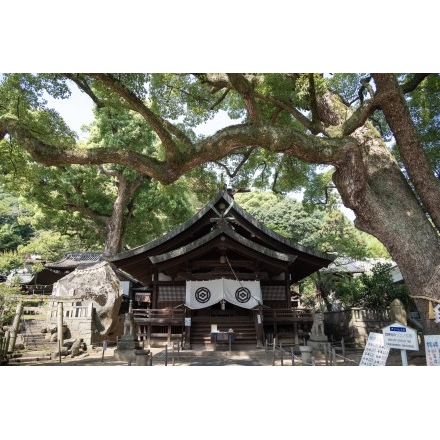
235 275
425 297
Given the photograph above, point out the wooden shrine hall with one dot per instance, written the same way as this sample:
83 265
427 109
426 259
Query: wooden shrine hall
220 274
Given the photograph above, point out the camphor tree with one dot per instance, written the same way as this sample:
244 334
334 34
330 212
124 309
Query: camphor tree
101 206
310 117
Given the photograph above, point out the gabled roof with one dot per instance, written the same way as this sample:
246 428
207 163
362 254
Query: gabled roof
246 236
221 235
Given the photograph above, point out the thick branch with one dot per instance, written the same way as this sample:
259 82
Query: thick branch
413 83
244 88
159 125
395 109
312 149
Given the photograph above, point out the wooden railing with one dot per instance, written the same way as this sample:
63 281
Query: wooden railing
160 323
159 316
288 315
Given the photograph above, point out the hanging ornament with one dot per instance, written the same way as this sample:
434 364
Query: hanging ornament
431 314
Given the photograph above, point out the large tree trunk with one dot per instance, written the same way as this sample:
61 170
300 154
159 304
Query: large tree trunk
372 185
116 223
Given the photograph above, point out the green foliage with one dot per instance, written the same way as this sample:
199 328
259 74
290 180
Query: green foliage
8 303
50 245
157 210
13 231
9 260
375 291
283 215
324 230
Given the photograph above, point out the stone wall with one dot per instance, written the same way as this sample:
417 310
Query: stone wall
355 324
77 316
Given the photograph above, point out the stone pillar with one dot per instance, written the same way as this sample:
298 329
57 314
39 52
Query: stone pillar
60 324
398 312
306 354
15 327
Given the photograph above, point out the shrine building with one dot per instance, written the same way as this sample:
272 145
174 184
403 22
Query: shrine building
221 271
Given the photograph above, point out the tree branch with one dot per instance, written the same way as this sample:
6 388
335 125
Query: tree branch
84 86
292 110
413 82
244 88
313 149
160 126
238 167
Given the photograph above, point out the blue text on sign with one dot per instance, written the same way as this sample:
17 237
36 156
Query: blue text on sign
397 329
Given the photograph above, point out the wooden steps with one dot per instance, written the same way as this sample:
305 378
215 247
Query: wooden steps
242 326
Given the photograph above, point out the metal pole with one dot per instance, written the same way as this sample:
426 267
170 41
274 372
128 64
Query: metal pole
166 355
267 353
281 354
104 346
404 358
273 351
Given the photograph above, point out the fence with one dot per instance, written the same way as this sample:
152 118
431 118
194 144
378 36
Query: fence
354 325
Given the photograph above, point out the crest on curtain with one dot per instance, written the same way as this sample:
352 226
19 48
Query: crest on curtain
201 294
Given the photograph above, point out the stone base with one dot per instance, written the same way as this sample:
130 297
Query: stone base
142 357
135 356
127 345
306 353
318 345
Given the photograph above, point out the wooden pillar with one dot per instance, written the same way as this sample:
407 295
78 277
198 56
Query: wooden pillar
287 289
258 321
149 335
295 327
15 327
155 294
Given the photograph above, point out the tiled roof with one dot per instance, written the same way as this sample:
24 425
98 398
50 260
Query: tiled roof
72 260
350 265
343 265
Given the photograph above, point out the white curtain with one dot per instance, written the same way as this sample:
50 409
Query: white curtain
201 294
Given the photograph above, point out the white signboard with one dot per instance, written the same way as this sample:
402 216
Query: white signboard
400 336
432 350
375 353
187 322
